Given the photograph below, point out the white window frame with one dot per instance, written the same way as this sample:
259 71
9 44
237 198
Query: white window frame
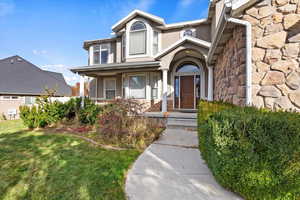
104 87
183 31
149 35
145 41
100 50
145 88
10 98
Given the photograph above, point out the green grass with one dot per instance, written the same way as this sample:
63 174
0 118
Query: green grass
36 165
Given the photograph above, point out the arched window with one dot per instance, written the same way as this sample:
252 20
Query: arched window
188 32
138 38
188 68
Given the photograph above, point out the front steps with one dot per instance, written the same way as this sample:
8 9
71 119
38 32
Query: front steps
176 120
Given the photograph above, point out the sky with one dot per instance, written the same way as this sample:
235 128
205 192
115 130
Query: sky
50 33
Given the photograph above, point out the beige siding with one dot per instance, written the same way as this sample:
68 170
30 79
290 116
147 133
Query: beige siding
10 104
118 50
169 37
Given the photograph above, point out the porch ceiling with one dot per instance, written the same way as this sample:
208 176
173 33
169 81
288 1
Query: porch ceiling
114 68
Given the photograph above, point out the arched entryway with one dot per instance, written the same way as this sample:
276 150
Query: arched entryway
187 85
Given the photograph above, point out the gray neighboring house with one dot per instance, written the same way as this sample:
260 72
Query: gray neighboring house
22 81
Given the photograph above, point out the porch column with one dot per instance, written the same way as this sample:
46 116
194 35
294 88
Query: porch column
81 89
164 107
210 84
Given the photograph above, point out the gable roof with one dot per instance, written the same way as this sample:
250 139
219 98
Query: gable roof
20 77
132 15
193 40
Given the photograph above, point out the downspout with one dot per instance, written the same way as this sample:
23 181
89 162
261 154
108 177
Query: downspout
248 56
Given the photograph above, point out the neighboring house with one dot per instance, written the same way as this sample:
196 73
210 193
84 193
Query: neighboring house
246 52
21 82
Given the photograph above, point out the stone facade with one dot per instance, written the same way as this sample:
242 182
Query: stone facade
276 43
230 70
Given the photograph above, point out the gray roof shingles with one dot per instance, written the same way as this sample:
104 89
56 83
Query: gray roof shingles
20 77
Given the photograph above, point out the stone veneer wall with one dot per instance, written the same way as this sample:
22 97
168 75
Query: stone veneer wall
276 43
230 70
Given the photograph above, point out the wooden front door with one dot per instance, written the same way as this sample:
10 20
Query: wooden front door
187 89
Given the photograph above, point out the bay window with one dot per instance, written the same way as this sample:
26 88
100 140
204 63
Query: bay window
137 86
154 86
155 42
101 53
138 38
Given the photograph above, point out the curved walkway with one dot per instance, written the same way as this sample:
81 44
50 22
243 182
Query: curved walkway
172 169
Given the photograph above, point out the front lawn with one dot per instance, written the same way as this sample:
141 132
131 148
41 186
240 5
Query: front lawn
39 165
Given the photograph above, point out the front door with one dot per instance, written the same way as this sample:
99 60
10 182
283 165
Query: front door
187 92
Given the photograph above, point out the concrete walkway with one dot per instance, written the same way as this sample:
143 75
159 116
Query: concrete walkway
172 169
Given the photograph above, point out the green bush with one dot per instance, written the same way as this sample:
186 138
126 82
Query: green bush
255 153
47 112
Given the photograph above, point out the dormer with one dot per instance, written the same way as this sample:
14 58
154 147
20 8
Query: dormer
141 39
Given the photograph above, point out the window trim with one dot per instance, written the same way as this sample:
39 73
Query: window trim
183 31
145 88
136 31
100 51
148 39
104 87
9 98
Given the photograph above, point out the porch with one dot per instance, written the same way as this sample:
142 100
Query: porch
174 81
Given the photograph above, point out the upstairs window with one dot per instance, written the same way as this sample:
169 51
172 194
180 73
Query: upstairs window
124 46
101 54
137 40
155 42
188 32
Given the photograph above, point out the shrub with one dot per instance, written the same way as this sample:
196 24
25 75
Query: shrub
48 112
90 113
256 153
28 115
121 123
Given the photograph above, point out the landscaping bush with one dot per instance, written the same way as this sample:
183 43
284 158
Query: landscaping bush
253 152
49 112
121 123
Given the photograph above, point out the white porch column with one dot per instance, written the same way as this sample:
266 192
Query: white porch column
210 83
165 90
81 89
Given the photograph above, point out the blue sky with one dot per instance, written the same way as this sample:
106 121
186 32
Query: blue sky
50 33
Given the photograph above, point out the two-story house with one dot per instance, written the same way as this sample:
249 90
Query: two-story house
245 52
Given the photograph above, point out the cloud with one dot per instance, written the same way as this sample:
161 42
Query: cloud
128 6
6 7
39 52
69 76
186 3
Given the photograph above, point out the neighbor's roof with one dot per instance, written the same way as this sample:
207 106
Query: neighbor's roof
20 77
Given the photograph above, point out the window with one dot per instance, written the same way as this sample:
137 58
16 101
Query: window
124 46
154 86
101 54
110 88
155 42
10 97
188 32
96 54
187 68
137 87
137 43
29 100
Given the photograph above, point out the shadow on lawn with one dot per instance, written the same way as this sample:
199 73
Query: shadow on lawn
34 165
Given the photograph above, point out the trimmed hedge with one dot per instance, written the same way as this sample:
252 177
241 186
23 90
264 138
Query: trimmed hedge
253 152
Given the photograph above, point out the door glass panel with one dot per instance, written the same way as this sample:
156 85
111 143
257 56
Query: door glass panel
176 92
188 68
198 89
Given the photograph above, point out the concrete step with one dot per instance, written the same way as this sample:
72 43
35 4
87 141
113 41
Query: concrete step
182 123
